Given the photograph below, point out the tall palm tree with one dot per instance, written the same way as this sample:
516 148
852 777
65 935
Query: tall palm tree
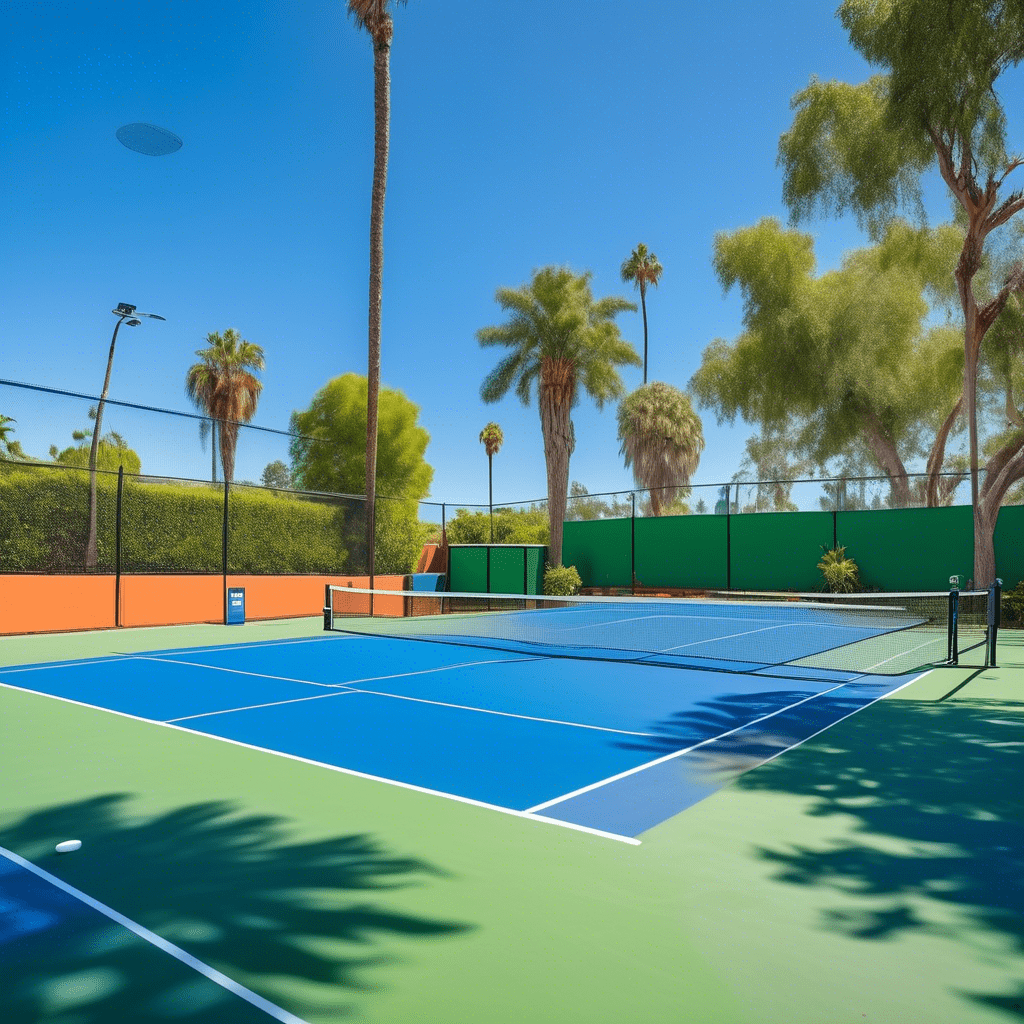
375 17
224 386
661 439
642 268
565 341
9 449
492 439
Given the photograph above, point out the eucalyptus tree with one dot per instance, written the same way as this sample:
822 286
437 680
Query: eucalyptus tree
662 438
565 342
642 268
224 385
843 359
863 148
374 16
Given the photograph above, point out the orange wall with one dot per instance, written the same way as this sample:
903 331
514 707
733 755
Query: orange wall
37 604
41 604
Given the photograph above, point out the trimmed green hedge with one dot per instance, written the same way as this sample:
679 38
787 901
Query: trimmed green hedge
178 527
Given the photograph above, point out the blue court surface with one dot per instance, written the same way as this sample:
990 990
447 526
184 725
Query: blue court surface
606 745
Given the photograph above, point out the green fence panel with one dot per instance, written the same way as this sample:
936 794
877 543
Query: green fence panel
778 550
1010 545
600 549
909 548
682 551
535 559
507 570
467 572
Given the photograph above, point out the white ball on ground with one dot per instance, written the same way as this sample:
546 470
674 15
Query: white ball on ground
69 846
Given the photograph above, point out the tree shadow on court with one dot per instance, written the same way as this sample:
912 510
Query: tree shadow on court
935 844
743 740
233 889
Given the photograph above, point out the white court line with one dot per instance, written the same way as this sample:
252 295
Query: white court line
61 664
310 682
674 754
232 986
256 707
528 815
793 746
222 668
504 714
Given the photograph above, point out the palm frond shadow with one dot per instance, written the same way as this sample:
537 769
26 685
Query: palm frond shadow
937 841
233 889
744 741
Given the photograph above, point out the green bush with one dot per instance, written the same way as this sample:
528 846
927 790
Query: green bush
511 526
1013 606
562 580
840 573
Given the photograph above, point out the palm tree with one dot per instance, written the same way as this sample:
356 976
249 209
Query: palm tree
642 268
209 427
375 17
492 439
564 341
661 439
9 449
225 388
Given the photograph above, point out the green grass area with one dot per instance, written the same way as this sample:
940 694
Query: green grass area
872 874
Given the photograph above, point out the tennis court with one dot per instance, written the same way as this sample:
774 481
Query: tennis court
541 718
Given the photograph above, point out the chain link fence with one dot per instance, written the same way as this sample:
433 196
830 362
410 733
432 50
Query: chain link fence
169 511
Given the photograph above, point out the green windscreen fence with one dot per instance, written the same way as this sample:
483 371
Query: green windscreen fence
601 550
681 551
496 568
910 548
778 550
467 569
915 549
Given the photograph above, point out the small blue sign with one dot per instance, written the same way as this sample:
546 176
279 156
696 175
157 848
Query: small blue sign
236 606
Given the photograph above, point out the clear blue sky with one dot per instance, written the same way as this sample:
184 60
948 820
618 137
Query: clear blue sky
522 134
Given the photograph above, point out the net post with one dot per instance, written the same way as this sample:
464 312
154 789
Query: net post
952 648
328 617
994 617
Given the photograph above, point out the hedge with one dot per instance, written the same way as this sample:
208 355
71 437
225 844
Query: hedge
178 527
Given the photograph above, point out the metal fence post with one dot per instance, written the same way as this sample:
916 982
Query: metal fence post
117 547
632 543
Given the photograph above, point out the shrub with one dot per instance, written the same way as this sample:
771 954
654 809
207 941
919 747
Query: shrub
840 573
511 526
1013 606
562 580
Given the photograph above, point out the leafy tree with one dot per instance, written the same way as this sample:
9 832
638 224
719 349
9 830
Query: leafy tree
224 386
564 341
845 361
863 148
642 268
111 452
276 474
661 438
375 17
511 526
328 453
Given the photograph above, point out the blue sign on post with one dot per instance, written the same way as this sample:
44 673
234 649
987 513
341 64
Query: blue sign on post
236 606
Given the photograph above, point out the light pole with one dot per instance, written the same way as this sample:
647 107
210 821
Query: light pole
125 313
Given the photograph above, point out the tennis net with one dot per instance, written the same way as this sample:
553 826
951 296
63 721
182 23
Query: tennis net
887 634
